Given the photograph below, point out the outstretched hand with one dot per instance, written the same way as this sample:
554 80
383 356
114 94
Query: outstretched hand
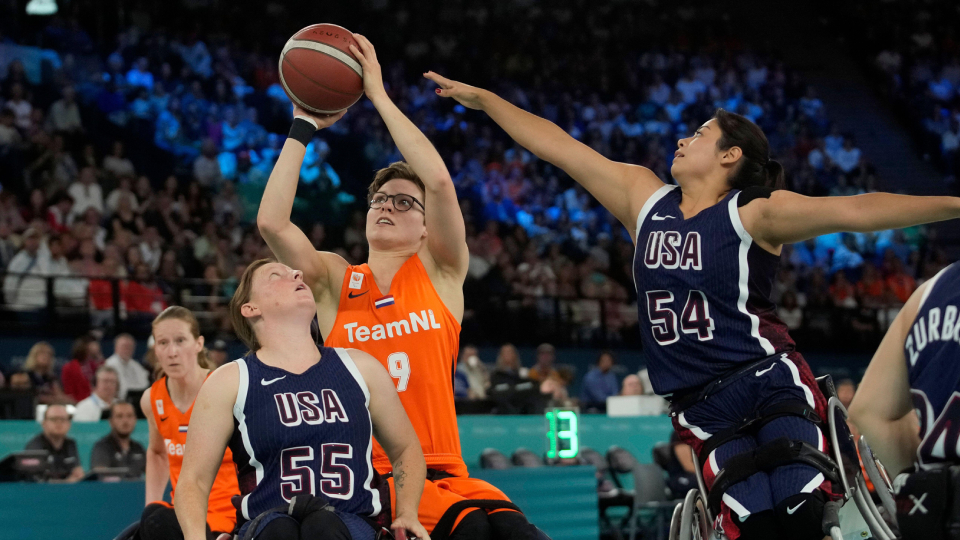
322 120
372 75
468 96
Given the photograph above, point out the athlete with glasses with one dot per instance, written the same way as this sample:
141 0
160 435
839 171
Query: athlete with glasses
404 306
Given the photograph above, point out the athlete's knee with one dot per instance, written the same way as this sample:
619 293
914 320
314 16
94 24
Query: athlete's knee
281 528
473 526
324 524
512 525
159 522
759 526
800 516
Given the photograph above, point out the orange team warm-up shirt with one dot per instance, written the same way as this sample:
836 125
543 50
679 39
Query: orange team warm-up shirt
416 338
173 424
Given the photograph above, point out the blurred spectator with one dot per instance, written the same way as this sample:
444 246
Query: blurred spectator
555 388
475 372
899 282
143 296
104 394
24 287
39 366
543 369
632 386
507 370
206 168
86 193
64 463
117 449
123 191
78 374
119 166
599 384
21 108
681 471
65 113
845 391
9 135
132 375
790 311
218 353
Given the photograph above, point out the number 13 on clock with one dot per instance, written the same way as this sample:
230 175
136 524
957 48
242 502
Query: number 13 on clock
563 440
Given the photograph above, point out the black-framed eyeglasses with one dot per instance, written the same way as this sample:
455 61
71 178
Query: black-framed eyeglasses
401 201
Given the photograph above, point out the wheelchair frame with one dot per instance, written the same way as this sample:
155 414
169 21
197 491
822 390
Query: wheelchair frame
693 520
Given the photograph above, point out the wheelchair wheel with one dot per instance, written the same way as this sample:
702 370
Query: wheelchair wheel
675 522
693 518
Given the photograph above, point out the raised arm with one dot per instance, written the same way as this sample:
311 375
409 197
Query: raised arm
446 234
394 432
882 409
158 469
788 217
620 187
286 240
212 423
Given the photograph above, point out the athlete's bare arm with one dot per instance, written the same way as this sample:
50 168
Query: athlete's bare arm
446 234
211 425
788 217
394 432
620 187
158 468
322 271
882 409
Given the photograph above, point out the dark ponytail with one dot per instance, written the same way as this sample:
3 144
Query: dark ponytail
755 167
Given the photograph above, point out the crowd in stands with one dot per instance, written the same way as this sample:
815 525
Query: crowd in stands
914 50
78 208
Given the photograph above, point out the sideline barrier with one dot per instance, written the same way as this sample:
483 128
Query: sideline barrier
561 500
477 432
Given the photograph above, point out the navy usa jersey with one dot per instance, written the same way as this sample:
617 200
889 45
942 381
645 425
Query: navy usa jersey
703 292
307 434
932 350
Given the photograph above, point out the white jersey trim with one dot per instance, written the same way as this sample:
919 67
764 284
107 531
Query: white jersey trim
930 284
641 217
745 242
244 431
352 368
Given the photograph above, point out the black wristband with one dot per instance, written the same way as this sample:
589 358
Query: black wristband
302 130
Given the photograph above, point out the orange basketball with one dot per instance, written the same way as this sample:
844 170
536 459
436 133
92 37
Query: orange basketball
318 71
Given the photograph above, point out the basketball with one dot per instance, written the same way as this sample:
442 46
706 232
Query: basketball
317 70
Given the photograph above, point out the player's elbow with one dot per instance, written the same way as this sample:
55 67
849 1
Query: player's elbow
270 225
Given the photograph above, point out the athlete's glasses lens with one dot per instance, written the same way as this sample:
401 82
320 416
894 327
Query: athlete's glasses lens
401 202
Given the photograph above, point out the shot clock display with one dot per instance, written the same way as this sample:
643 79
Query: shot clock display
563 440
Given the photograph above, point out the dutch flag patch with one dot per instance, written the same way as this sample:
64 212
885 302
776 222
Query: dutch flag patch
384 302
183 429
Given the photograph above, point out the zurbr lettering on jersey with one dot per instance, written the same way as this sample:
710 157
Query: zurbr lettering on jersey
415 322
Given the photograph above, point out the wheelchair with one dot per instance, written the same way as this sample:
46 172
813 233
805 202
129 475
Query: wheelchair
693 519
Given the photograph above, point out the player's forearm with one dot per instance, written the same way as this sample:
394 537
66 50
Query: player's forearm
894 442
409 474
157 476
277 202
191 508
881 211
416 149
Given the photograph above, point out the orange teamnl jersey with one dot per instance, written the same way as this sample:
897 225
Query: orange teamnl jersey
173 424
416 338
